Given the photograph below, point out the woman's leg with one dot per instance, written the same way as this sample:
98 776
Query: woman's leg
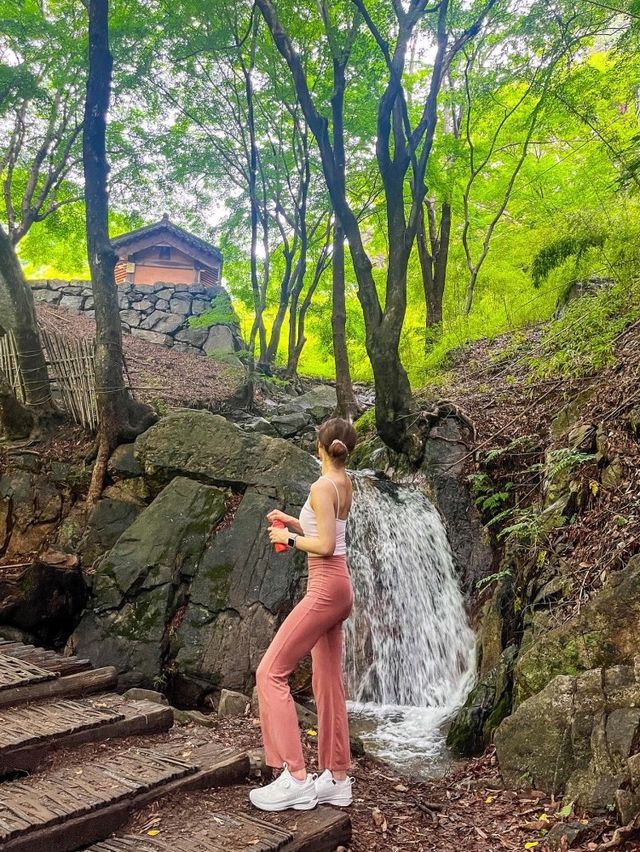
334 751
298 634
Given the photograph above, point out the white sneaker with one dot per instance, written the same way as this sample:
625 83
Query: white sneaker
333 792
285 793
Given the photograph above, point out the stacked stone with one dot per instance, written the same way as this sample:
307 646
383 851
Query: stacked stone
157 313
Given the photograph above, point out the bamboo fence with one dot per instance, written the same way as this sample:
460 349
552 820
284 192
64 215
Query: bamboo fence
70 361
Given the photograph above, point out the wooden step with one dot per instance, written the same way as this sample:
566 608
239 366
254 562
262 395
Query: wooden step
15 672
65 686
320 830
44 658
77 804
28 734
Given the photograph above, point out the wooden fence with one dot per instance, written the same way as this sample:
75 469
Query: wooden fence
70 361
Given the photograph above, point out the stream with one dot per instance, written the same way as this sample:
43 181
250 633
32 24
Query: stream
409 649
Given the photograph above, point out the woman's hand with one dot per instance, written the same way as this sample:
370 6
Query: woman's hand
277 515
279 535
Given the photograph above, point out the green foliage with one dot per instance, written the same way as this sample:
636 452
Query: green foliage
366 423
582 339
553 255
220 313
492 579
565 459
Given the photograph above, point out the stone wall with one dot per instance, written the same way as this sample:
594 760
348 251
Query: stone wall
158 313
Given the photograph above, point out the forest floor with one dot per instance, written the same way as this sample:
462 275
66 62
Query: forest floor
513 410
158 375
467 810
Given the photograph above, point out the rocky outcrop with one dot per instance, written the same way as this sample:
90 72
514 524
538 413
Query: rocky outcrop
579 736
604 633
191 593
158 313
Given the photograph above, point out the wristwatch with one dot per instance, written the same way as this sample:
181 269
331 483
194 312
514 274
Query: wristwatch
291 541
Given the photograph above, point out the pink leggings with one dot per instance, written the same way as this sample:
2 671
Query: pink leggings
314 625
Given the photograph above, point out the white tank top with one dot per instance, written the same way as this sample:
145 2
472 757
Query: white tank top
309 523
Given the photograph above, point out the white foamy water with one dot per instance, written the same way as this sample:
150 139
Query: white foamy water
409 649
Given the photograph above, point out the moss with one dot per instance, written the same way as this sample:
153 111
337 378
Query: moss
220 313
219 581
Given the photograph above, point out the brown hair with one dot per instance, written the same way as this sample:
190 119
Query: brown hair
338 437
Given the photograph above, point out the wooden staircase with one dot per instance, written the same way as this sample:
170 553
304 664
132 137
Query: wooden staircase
54 799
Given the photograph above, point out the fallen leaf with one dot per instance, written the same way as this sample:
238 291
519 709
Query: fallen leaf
153 831
566 811
312 733
489 799
531 844
401 788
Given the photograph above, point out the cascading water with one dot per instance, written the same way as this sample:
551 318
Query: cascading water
409 650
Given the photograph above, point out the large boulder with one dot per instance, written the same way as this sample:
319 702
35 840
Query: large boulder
240 593
318 403
580 736
136 585
192 592
604 633
207 447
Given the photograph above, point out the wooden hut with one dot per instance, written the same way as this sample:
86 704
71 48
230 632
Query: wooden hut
165 253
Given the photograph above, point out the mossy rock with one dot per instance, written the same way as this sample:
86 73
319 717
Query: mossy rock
604 633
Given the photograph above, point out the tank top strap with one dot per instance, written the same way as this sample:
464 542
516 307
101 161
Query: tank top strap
337 492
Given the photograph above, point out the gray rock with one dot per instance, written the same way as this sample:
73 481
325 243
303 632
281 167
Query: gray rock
50 296
164 292
289 425
89 304
219 339
565 835
108 520
212 449
152 337
193 336
138 694
186 347
239 590
578 734
131 317
232 703
135 585
162 305
178 305
123 464
319 403
260 425
161 322
198 306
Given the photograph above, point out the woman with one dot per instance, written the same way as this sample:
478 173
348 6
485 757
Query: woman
314 625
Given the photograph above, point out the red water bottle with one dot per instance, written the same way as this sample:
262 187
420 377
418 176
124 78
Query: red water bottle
278 547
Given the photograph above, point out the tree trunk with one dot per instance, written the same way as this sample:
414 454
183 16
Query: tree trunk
120 417
16 421
21 320
344 389
433 252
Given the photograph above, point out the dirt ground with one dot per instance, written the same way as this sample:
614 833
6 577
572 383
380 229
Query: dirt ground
467 810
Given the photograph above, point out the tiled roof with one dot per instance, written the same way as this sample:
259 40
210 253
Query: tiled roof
167 227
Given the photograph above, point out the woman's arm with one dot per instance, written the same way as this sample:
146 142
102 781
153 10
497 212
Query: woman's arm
321 498
292 522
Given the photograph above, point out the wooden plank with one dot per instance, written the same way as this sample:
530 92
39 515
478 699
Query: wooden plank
320 830
69 724
83 683
44 658
95 818
15 672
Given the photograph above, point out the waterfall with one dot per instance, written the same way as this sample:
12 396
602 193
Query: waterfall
409 649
